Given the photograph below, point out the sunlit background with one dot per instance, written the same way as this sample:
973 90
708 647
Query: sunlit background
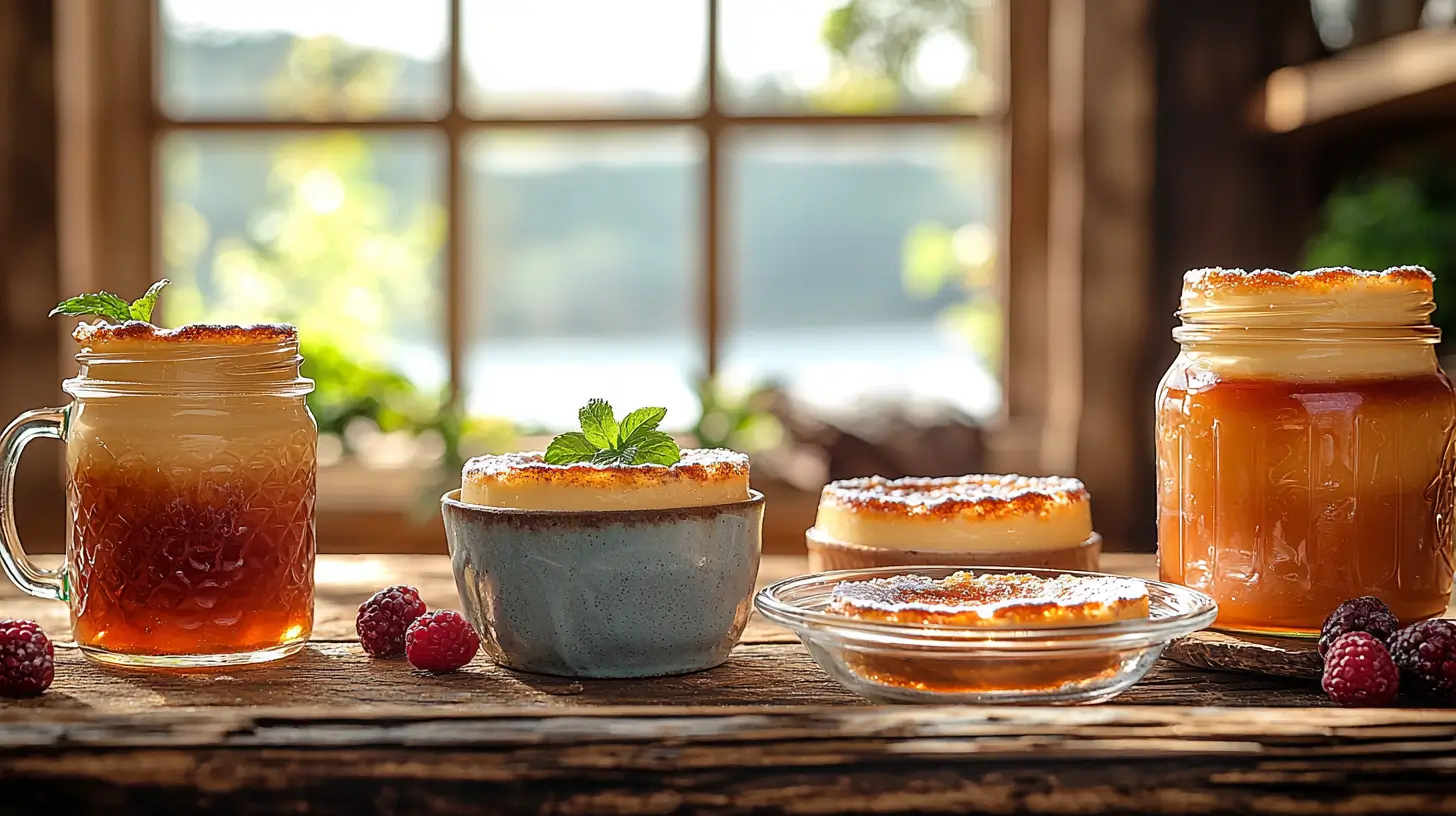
856 261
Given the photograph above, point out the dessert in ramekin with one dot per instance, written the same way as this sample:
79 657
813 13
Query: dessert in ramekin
1015 521
606 570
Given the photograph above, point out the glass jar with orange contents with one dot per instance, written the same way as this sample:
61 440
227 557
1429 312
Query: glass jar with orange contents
1304 447
191 472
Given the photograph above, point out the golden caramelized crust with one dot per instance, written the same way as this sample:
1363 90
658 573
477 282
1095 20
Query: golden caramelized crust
992 601
978 496
979 513
107 335
1213 280
525 481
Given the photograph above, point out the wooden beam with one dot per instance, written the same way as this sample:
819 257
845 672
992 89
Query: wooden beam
1387 73
1098 760
1101 255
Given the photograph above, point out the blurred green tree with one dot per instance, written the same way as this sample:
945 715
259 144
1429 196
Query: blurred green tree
1403 215
329 253
875 44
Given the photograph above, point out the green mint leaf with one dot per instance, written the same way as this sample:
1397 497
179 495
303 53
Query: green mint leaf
639 421
570 448
602 442
613 457
599 425
141 308
655 448
104 305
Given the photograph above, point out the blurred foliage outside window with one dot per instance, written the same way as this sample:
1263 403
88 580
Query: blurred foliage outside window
1401 216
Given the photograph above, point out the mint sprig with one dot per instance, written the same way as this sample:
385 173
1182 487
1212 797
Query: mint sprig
604 441
111 308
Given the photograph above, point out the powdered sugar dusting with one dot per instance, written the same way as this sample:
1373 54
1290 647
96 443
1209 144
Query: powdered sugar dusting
966 598
980 495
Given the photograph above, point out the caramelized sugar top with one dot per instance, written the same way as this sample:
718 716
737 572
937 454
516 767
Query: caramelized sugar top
978 496
995 600
1211 281
697 464
1338 296
137 333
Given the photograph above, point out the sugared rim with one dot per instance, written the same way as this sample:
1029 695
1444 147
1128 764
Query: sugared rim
982 495
1214 279
136 331
696 464
451 499
1173 610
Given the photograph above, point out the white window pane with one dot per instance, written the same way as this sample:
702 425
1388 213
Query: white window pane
584 273
858 56
339 233
863 265
584 57
280 59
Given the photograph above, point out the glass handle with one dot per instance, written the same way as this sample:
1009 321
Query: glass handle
42 583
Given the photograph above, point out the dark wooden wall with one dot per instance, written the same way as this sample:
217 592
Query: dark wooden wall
1224 193
29 362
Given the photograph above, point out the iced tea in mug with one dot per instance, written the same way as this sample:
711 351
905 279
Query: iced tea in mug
191 464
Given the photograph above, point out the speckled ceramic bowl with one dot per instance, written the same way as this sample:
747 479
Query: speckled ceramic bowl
611 593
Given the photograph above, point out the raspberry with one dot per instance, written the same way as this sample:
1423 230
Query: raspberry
27 659
384 618
1367 614
1359 671
1426 655
440 641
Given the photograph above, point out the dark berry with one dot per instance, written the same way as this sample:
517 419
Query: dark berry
384 618
440 641
1367 614
1359 671
27 659
1426 655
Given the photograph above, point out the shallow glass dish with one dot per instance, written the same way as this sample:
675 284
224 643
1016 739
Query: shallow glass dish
928 663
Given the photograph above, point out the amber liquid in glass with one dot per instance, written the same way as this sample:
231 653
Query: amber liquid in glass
192 527
1282 499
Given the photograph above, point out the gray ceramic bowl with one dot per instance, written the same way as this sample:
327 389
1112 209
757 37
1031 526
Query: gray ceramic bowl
606 593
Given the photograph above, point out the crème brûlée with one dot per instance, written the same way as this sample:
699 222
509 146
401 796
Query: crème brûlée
990 601
525 481
982 520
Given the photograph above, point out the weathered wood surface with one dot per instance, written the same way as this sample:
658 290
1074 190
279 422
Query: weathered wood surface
333 731
657 760
1281 657
1220 651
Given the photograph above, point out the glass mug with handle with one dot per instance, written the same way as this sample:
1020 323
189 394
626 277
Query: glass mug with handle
190 470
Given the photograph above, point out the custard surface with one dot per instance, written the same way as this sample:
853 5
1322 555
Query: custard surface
524 481
994 600
956 514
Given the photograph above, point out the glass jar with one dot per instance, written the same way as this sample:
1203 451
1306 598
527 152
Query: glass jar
191 466
1304 447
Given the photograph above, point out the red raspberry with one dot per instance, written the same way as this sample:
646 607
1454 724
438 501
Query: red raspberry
1359 671
1367 614
27 659
440 641
384 618
1426 655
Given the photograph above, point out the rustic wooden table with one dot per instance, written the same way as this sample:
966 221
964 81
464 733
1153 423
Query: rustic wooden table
332 731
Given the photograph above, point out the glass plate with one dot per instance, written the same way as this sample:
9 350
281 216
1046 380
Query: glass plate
926 663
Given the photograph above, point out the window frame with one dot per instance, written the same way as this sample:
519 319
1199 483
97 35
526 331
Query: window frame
111 126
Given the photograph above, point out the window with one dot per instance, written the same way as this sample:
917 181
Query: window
526 204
